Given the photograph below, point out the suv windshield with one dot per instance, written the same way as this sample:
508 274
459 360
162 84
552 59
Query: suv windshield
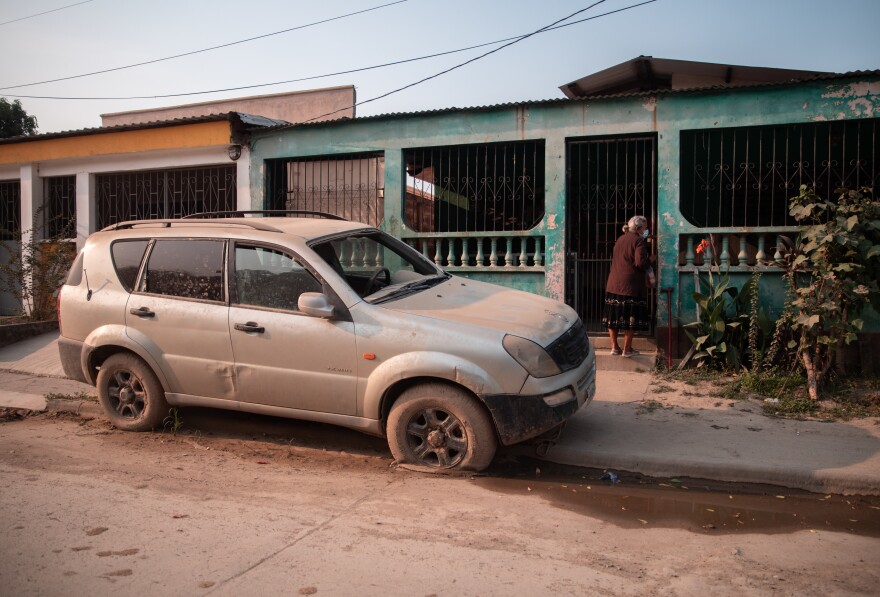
378 266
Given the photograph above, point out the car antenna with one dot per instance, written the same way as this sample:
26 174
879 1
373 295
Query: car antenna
89 293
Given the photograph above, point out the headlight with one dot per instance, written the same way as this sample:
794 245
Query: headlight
532 357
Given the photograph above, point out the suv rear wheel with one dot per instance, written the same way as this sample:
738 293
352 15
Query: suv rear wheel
440 426
131 394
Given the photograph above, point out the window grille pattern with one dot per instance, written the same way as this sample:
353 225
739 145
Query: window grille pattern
737 177
60 201
10 209
351 185
158 194
489 187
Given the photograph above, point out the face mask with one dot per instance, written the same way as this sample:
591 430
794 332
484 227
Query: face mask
646 233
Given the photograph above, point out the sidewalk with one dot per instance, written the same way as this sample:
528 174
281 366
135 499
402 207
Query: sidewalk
628 427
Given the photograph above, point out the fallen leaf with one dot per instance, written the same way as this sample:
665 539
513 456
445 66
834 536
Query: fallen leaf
179 515
642 521
262 462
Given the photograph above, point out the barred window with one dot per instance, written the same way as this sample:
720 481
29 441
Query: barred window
158 194
487 187
10 209
347 185
745 176
60 212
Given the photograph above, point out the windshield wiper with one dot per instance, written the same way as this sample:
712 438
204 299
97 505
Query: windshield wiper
411 288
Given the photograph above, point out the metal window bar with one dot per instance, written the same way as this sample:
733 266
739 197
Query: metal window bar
160 194
60 212
10 210
745 176
348 185
487 187
609 181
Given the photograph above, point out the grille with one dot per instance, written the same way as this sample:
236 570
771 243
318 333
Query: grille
571 348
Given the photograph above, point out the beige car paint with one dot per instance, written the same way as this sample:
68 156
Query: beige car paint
452 332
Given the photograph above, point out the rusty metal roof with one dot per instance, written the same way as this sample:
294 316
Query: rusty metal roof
611 96
237 119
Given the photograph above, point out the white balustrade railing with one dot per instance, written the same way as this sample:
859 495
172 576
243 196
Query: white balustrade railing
499 252
762 248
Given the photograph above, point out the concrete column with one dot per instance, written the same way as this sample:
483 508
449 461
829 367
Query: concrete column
244 200
31 200
395 192
86 220
554 216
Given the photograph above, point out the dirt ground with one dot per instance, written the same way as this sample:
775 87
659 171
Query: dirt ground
221 508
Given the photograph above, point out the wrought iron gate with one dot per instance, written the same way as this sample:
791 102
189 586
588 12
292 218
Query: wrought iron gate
157 194
609 181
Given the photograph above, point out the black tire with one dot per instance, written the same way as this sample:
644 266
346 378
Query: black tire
440 426
131 394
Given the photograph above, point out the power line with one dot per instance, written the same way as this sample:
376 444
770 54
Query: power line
343 72
203 50
457 66
44 12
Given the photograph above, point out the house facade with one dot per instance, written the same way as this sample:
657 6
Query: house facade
533 195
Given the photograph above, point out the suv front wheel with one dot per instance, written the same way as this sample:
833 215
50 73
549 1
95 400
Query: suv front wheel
131 394
441 426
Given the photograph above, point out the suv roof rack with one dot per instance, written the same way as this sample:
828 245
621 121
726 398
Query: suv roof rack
241 214
255 225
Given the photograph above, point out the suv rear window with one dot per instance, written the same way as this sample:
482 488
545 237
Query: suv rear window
127 256
186 269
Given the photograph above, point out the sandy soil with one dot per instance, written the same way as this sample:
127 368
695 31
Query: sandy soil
219 508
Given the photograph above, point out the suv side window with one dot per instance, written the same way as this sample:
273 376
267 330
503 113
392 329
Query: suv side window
269 278
127 256
186 268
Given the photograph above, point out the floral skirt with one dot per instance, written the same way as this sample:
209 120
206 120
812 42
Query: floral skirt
625 312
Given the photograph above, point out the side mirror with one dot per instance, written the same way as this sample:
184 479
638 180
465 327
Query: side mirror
315 304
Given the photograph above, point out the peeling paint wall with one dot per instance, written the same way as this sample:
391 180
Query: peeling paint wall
556 123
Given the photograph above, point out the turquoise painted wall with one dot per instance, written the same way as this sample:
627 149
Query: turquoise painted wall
557 121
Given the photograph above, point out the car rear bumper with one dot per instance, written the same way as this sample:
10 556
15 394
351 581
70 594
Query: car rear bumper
70 352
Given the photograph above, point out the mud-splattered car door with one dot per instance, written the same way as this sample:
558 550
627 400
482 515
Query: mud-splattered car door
285 358
179 313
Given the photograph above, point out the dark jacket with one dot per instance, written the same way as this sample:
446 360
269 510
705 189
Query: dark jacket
628 265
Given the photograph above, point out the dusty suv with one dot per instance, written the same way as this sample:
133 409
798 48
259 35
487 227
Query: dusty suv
320 319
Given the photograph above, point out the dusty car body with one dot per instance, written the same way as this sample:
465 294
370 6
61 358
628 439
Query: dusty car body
318 319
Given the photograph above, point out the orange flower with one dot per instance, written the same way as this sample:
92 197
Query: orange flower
704 244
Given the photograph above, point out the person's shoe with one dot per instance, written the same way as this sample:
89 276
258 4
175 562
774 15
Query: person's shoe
631 352
616 352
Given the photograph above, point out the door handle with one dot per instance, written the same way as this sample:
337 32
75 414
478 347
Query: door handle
142 312
250 327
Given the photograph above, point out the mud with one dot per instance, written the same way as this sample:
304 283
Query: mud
697 505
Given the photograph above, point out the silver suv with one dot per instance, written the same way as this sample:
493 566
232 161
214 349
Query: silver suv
322 319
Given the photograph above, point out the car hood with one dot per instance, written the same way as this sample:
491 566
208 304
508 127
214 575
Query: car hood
470 302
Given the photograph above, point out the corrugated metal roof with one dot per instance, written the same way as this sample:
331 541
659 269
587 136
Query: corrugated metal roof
249 120
546 102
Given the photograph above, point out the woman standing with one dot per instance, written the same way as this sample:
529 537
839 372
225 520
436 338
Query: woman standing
626 308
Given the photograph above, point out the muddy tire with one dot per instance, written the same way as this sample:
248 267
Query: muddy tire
441 426
131 394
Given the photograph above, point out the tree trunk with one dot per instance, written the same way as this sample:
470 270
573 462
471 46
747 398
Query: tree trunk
812 374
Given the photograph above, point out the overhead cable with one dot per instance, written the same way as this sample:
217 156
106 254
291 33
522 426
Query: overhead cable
45 12
334 74
203 50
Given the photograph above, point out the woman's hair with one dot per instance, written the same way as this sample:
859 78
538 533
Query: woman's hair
635 223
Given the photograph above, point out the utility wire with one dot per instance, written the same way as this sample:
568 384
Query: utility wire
44 12
457 66
203 50
343 72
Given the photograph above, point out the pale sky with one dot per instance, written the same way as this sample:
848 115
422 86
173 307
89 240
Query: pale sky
819 35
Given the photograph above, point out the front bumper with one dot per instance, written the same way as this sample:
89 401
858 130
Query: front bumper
519 417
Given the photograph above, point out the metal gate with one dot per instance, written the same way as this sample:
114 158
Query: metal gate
609 181
157 194
348 185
